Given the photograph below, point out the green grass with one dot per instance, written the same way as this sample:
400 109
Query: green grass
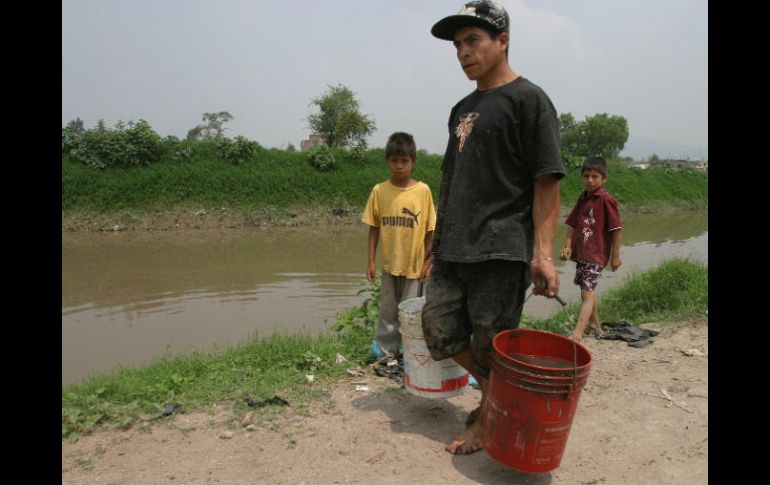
286 180
637 189
675 290
275 178
277 365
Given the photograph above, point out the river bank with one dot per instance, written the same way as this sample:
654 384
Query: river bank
210 218
626 431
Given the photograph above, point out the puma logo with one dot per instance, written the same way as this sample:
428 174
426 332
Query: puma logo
411 214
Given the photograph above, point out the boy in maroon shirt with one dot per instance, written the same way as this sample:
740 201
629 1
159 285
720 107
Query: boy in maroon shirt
593 240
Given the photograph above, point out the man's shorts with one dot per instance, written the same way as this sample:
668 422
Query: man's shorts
587 275
472 299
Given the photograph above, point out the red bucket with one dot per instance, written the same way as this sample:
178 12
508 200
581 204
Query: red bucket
534 386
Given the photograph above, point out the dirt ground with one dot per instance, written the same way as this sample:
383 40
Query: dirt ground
626 431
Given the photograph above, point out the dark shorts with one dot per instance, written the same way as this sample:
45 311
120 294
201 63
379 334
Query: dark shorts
587 275
472 299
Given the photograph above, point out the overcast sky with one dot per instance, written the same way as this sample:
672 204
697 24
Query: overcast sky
169 61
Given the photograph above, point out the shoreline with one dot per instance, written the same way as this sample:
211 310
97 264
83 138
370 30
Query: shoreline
184 218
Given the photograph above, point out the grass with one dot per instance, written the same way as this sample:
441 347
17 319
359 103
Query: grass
649 189
676 289
275 178
286 181
277 365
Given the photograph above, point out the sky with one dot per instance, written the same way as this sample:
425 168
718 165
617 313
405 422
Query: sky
264 62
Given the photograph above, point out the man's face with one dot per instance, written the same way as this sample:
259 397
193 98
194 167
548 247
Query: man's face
477 52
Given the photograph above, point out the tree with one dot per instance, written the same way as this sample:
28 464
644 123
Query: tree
600 134
339 122
213 128
605 135
290 147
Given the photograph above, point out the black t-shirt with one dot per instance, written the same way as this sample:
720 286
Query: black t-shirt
500 140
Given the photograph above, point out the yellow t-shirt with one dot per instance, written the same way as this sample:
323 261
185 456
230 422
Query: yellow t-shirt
404 215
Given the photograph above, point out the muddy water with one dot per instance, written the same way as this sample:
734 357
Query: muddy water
128 298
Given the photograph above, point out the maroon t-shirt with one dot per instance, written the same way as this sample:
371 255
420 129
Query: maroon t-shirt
592 219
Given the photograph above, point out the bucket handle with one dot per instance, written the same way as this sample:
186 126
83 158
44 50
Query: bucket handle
574 386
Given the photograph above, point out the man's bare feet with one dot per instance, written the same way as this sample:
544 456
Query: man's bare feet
468 442
473 416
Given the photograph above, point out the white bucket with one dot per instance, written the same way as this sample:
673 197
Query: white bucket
424 376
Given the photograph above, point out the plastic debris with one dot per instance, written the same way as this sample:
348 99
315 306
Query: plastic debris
378 352
360 387
473 382
356 372
389 367
693 353
309 378
641 343
248 418
264 402
340 358
168 410
638 336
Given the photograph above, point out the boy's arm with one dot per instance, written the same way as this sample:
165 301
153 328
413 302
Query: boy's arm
427 262
615 259
612 219
374 236
545 211
566 251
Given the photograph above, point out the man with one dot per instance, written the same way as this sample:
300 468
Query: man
498 204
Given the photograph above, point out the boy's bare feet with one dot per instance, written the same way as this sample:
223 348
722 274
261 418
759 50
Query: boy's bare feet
597 328
468 442
473 416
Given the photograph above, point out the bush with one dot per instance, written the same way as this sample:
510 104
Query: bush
365 317
236 151
176 150
356 155
322 159
124 146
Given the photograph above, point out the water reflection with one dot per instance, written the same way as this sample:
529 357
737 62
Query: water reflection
129 297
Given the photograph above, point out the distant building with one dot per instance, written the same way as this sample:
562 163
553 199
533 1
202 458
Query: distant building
314 141
640 165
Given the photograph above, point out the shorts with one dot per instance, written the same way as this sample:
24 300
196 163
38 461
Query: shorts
587 275
467 304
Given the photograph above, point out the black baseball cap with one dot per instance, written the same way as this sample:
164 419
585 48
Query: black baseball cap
477 13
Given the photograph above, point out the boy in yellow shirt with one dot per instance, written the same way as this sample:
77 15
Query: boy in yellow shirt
401 215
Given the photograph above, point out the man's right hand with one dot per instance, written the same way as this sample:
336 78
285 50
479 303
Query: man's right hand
427 265
545 278
371 273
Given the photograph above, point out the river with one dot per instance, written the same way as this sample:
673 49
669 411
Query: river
131 297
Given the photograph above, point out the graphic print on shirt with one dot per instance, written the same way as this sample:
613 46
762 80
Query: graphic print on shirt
408 222
589 221
465 126
411 214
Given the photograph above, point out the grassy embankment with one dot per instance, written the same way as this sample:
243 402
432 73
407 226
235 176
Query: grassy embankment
281 187
277 365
